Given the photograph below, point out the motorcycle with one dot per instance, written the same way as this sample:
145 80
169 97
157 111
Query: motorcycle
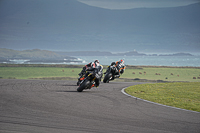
87 82
109 74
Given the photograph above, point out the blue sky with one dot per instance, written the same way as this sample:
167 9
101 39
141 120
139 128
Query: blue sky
129 4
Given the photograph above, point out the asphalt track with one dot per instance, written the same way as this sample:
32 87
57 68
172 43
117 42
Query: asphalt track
50 106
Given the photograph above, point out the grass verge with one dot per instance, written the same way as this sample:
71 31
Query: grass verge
131 74
38 72
183 95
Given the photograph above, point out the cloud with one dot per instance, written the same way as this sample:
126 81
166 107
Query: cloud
129 4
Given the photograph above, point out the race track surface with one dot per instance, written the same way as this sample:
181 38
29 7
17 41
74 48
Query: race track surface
50 106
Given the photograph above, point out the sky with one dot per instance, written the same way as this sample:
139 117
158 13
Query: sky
69 25
130 4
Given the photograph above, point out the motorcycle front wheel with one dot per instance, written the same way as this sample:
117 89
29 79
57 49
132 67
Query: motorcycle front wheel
84 85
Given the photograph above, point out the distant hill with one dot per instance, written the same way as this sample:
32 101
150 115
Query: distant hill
45 54
99 53
131 53
85 53
30 54
177 54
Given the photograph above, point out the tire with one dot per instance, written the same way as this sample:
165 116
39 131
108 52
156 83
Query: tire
83 86
78 83
107 77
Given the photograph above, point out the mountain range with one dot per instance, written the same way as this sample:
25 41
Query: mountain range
37 54
68 25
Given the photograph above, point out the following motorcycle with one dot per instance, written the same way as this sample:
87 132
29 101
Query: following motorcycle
109 74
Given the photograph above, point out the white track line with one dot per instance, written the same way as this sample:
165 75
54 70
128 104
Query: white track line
155 103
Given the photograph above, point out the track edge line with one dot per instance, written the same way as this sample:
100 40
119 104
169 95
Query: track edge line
155 103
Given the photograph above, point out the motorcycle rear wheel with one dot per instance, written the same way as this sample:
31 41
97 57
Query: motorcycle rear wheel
107 78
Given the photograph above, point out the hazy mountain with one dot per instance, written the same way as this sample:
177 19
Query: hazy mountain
69 25
41 55
31 54
100 53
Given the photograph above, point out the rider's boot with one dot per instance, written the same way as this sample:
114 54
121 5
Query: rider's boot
117 76
97 83
113 77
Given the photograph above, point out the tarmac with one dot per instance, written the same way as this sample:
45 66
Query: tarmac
54 106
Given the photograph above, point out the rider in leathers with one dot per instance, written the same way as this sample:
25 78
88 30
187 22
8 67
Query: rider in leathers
120 67
97 69
85 68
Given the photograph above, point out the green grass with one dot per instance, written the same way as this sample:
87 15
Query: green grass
45 71
179 74
185 95
37 72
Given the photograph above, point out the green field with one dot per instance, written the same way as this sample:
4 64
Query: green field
164 74
178 94
38 72
67 71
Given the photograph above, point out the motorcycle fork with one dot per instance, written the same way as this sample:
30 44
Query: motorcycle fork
82 81
93 82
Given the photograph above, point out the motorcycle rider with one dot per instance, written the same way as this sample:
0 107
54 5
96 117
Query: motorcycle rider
120 67
96 68
87 66
98 71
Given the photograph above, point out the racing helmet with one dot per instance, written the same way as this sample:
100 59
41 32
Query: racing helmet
122 61
96 61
